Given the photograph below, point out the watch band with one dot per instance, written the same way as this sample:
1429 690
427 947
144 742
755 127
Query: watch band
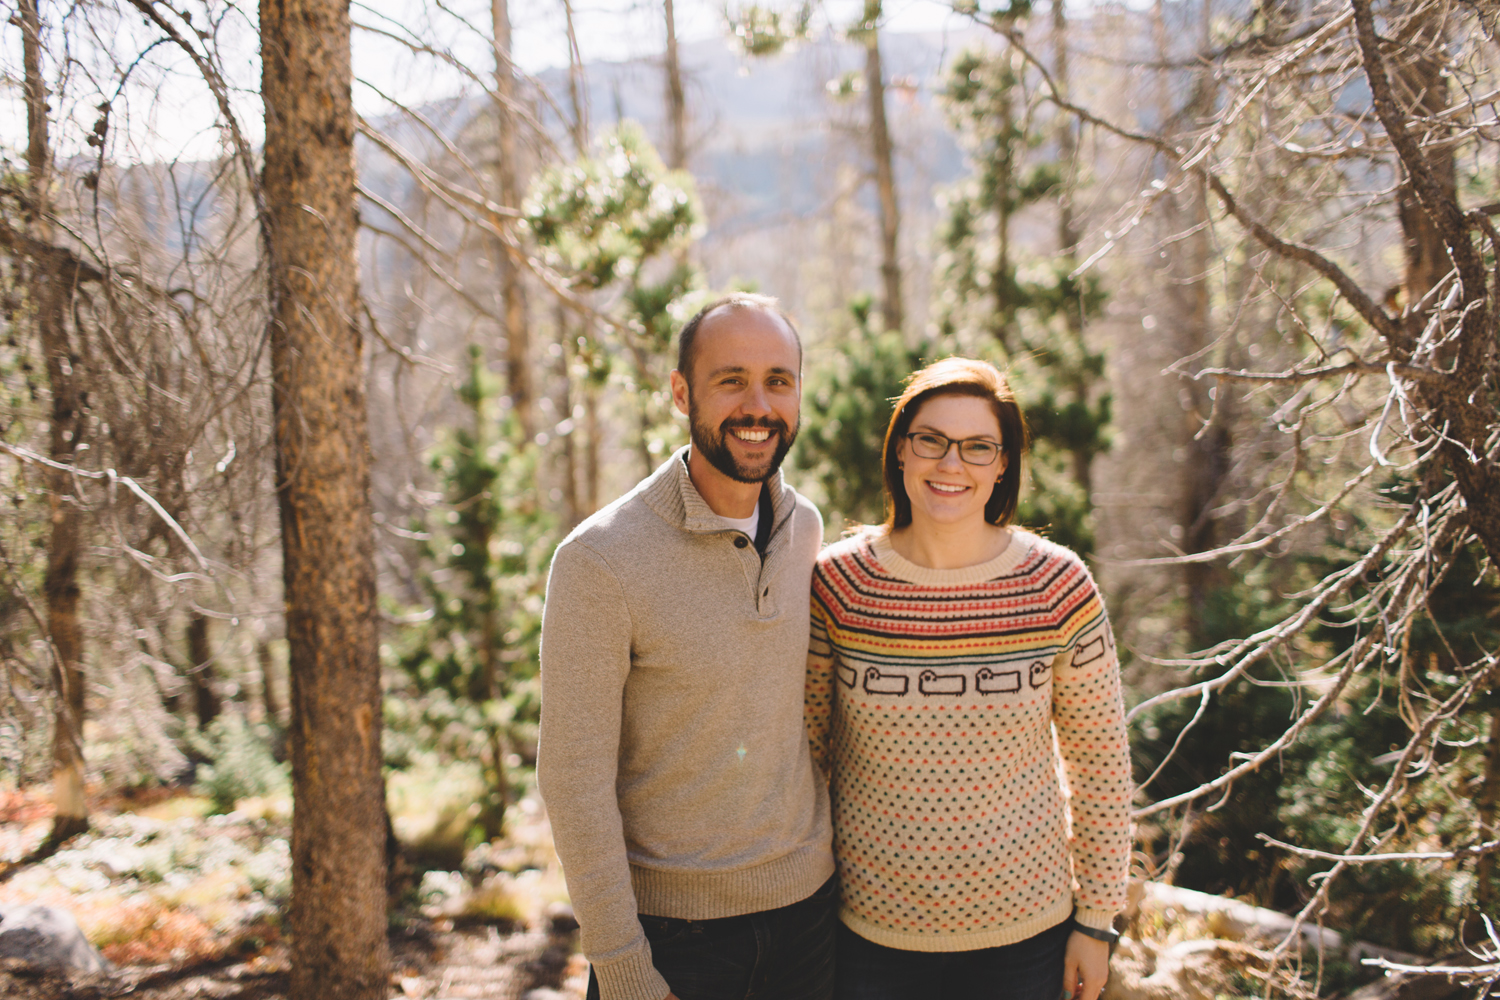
1108 937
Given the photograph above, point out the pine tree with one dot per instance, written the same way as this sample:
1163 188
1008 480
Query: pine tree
487 550
1025 313
846 405
614 222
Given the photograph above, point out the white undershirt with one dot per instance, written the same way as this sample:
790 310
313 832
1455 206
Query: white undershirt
746 524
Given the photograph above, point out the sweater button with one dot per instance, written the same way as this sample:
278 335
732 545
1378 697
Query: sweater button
740 541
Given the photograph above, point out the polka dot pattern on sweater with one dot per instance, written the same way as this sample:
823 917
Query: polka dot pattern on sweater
960 821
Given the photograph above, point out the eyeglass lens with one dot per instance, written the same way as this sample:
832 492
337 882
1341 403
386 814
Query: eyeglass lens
974 451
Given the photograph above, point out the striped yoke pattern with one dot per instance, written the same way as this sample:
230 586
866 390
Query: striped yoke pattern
960 822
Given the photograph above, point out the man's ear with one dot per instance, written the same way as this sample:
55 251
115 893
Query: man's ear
679 392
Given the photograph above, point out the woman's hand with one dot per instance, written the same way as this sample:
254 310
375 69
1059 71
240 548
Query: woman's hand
1085 967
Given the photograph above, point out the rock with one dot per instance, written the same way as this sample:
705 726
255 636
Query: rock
560 918
1188 970
48 938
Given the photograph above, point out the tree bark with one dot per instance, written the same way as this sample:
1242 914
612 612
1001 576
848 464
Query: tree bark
1067 230
508 183
578 128
49 293
269 699
892 310
206 703
1003 195
569 456
1463 404
338 905
676 100
1204 453
1485 804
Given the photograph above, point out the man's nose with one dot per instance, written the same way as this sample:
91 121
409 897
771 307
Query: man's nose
756 400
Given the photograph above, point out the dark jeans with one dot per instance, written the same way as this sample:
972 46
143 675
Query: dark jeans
1027 970
782 954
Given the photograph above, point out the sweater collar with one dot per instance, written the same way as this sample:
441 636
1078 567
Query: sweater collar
1022 543
670 492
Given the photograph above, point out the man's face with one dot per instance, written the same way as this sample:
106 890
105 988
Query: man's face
744 392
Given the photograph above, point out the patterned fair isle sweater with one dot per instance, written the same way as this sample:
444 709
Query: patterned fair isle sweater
932 701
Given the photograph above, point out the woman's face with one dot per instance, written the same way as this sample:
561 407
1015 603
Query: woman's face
948 490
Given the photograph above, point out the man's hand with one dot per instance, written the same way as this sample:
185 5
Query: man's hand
1085 967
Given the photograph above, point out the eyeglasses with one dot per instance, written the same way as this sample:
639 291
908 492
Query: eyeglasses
974 451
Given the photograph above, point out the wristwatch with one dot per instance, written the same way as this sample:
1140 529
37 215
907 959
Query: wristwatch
1110 936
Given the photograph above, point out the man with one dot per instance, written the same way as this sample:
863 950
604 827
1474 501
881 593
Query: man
686 810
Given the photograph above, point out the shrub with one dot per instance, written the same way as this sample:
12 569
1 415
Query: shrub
241 764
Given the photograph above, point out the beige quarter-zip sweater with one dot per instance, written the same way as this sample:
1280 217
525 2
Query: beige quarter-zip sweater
673 757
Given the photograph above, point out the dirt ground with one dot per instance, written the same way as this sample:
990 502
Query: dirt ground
189 906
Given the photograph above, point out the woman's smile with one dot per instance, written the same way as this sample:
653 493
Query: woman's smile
947 490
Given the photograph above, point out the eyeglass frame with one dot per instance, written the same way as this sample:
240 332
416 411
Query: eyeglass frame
950 442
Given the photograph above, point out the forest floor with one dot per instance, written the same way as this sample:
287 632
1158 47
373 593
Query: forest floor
187 905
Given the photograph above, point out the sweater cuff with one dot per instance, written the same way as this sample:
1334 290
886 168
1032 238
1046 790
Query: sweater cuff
632 977
1100 920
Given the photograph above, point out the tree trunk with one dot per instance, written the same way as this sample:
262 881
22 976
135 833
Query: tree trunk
569 457
592 383
269 698
578 128
338 905
1067 234
206 703
676 101
49 296
892 310
507 184
1425 252
1485 803
1203 453
1463 403
492 680
1001 282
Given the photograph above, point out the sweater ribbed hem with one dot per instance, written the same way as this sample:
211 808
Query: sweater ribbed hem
631 978
1099 920
940 940
710 895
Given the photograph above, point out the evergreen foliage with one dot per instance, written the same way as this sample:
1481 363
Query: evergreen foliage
241 764
620 222
474 660
1317 795
1033 311
846 404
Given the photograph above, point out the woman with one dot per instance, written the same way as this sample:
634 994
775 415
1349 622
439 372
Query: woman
946 648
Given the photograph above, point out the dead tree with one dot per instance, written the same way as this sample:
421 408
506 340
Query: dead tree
49 289
1407 378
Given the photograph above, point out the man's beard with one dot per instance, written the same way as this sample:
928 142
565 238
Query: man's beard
711 444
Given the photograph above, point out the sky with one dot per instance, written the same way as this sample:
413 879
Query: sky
620 29
168 114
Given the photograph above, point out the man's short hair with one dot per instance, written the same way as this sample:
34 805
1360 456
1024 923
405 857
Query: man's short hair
686 340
